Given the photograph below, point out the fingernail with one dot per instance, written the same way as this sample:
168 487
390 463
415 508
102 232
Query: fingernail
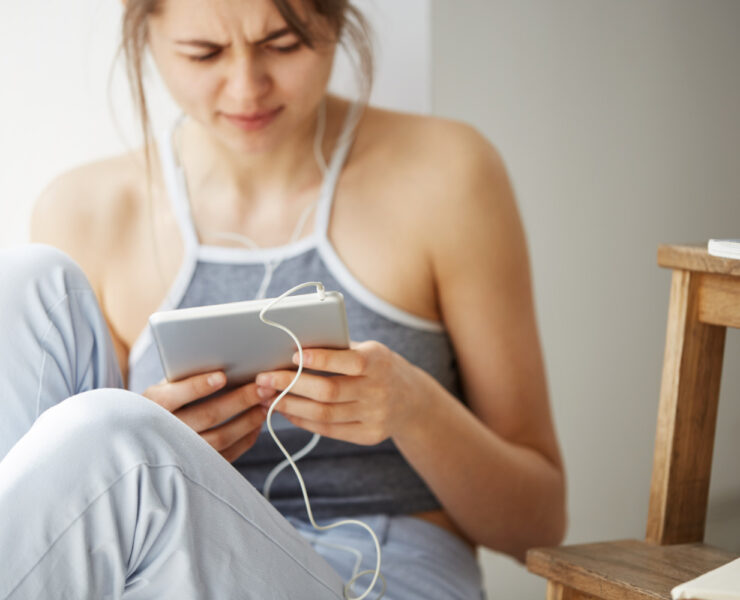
216 379
306 358
262 379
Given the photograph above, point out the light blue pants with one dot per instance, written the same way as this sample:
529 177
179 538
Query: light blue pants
104 494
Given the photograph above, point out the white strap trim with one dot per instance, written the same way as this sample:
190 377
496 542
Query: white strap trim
344 276
176 187
233 255
328 186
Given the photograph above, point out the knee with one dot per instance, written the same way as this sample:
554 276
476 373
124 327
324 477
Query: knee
114 425
39 266
36 277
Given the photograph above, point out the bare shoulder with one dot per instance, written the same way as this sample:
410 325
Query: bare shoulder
85 211
449 162
451 178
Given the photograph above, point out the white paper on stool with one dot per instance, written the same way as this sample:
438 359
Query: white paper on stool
722 583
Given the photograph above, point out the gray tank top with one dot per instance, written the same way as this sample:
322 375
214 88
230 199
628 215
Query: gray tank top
342 479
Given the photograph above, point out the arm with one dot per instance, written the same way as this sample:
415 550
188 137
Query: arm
510 492
494 465
499 474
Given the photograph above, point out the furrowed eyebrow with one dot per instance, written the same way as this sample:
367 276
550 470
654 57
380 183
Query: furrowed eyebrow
274 35
200 43
211 45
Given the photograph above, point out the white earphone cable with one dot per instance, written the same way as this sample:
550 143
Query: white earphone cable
376 572
280 467
270 267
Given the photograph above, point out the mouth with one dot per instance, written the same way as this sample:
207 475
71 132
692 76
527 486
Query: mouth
253 121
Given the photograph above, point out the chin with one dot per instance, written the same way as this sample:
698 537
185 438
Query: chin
252 142
250 147
244 142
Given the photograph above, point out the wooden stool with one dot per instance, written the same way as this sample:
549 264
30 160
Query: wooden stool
704 301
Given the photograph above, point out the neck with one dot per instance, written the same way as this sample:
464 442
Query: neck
246 181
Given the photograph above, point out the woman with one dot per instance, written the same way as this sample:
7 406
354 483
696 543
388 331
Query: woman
436 426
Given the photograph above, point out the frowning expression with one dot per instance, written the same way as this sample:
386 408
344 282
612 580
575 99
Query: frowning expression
238 69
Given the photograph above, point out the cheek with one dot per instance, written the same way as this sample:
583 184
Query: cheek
189 86
304 76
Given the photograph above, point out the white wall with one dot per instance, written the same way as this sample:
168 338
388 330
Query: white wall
57 111
620 125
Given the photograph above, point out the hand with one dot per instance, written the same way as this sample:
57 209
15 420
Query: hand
374 395
241 405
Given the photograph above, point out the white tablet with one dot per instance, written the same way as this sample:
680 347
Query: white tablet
231 337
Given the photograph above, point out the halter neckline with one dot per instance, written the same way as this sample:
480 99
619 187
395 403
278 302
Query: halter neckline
176 186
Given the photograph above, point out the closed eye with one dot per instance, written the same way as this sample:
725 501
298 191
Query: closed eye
286 49
213 54
204 57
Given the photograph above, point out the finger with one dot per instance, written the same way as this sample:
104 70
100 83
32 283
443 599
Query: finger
173 396
236 450
214 411
321 412
346 362
356 433
226 435
317 387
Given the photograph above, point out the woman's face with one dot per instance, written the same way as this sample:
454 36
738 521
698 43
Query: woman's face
234 66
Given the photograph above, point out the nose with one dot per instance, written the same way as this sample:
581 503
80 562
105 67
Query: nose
247 78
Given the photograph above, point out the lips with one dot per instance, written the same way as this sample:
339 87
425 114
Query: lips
252 121
255 116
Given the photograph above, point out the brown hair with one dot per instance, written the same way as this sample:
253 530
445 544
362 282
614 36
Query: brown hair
346 23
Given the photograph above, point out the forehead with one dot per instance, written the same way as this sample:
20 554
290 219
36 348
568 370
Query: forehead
223 19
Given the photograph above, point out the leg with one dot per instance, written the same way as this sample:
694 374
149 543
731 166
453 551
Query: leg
110 496
106 494
55 342
419 560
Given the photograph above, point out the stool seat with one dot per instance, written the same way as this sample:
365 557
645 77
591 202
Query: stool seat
626 568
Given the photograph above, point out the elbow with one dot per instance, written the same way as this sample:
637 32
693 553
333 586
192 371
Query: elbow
554 533
551 519
554 522
550 534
